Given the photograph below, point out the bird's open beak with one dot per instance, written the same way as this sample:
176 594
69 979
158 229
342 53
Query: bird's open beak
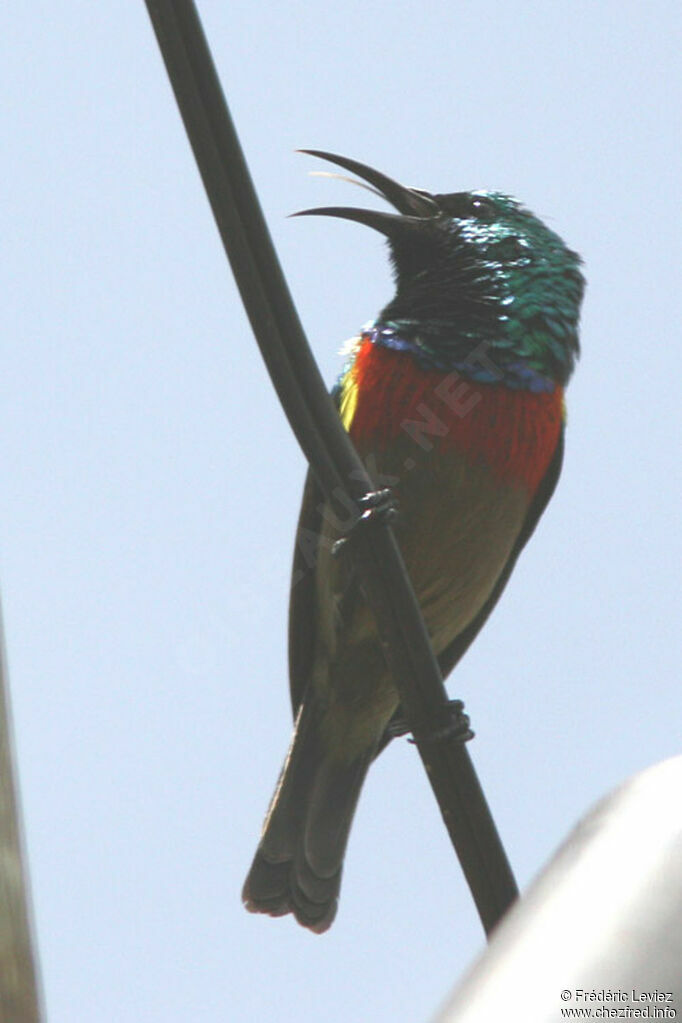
414 206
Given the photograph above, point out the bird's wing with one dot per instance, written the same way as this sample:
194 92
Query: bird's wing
302 599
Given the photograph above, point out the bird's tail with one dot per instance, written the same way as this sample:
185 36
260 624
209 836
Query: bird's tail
298 863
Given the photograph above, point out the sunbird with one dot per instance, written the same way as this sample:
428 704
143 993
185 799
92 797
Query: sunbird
454 398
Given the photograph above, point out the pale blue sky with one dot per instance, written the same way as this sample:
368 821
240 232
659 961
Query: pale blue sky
151 484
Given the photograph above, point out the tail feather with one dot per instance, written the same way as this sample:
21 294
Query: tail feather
298 864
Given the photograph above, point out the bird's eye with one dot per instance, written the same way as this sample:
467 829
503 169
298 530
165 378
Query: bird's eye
482 208
467 206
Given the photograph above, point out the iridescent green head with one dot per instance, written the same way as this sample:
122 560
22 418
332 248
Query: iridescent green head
474 267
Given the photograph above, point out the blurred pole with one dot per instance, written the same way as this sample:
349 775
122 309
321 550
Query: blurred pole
20 998
599 933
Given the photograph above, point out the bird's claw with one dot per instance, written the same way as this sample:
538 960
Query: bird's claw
378 506
456 728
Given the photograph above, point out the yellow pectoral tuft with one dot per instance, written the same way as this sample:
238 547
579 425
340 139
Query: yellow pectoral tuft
349 398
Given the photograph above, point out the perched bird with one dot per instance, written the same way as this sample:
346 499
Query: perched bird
453 396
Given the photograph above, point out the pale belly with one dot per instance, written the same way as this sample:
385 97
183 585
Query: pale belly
456 528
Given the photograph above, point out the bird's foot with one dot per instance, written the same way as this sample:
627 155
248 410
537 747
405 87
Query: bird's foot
456 728
379 506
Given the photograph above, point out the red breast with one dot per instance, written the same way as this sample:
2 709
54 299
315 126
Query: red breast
386 395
